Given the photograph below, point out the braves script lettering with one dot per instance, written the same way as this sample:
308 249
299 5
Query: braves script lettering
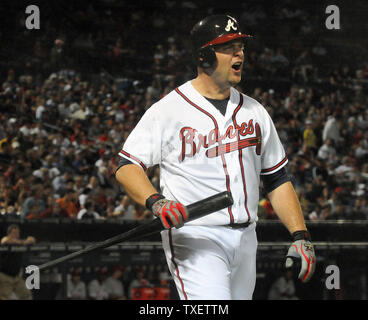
189 147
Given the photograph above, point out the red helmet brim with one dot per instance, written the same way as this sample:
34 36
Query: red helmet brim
226 38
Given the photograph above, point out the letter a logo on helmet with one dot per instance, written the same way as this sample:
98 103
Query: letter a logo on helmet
230 25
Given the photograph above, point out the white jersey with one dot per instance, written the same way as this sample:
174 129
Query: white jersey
201 152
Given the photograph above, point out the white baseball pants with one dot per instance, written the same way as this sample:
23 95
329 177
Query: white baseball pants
212 262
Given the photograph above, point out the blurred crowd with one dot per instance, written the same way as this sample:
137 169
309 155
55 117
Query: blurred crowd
72 94
118 283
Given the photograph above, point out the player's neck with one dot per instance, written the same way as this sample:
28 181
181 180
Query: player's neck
208 88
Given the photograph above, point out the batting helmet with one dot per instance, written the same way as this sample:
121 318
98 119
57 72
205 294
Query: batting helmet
211 31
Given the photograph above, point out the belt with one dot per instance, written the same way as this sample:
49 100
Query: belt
239 225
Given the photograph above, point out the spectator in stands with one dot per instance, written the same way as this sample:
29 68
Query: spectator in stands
8 198
39 131
283 288
138 281
357 212
125 209
309 137
79 184
339 213
54 210
103 176
119 50
310 193
304 66
93 184
84 196
33 201
34 212
26 128
83 112
360 186
57 54
97 289
322 200
49 163
76 288
80 164
11 281
316 214
331 130
100 200
333 200
327 152
69 202
95 129
114 284
59 183
343 170
88 212
326 212
361 151
70 184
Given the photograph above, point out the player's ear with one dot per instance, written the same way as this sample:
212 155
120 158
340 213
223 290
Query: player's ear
207 57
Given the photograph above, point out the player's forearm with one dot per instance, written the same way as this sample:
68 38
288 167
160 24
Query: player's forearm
287 207
135 182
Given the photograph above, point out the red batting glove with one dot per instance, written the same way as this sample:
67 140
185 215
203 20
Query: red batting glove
171 213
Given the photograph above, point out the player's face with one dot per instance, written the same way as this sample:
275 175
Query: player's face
230 60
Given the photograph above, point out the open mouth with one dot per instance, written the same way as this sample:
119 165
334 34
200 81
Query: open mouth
236 66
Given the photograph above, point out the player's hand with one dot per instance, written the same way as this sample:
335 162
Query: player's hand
171 213
302 249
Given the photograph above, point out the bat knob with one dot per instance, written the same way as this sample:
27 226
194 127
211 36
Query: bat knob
229 198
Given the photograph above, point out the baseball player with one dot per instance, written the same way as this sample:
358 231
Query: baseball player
207 137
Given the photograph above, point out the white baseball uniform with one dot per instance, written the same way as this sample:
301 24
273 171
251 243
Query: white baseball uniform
201 153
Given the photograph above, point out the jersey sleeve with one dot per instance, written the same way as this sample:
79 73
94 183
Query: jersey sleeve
143 145
273 155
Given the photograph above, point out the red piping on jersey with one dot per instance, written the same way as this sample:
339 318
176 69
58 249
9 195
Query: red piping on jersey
274 167
241 156
217 134
134 158
176 266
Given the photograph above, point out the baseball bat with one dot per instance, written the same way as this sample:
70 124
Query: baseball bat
195 210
